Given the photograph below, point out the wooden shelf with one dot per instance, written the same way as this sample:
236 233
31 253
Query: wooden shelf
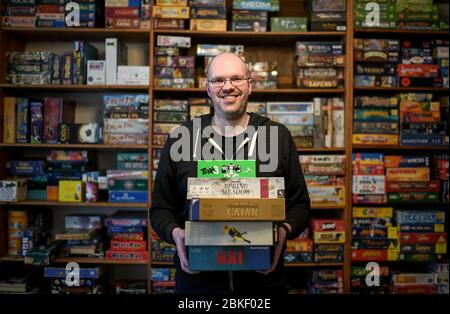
82 88
321 150
163 264
401 89
76 146
397 147
300 91
259 38
402 262
300 150
324 207
12 258
404 204
248 34
82 204
59 34
287 264
258 91
81 260
399 32
88 260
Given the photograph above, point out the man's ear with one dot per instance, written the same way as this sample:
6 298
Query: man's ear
250 86
207 89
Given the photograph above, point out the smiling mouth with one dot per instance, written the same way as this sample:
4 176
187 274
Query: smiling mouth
229 97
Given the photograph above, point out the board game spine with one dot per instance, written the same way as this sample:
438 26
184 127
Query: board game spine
235 258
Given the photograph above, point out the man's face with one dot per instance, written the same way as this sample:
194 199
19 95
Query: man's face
230 101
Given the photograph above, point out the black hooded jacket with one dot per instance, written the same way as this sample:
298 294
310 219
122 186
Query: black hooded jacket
170 205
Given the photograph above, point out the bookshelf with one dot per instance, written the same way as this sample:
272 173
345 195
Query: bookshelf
258 46
392 149
101 261
12 258
80 260
244 35
76 88
21 39
401 89
78 146
278 47
82 204
57 34
312 265
399 32
402 148
284 91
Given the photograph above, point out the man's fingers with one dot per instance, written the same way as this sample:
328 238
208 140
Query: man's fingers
183 257
178 236
270 270
185 267
184 263
182 253
276 257
272 267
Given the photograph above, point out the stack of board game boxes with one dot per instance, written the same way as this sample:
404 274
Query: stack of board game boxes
170 14
163 280
128 241
326 281
127 13
319 64
89 282
125 119
208 15
375 119
325 177
52 13
169 70
129 182
231 224
252 16
83 235
328 15
404 63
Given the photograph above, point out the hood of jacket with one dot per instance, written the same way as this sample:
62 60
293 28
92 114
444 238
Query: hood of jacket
248 138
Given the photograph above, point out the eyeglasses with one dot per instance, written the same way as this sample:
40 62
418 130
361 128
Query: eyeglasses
237 81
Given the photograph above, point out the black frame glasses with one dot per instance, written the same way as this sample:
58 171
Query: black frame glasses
236 82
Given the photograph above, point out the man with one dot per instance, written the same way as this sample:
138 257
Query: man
228 87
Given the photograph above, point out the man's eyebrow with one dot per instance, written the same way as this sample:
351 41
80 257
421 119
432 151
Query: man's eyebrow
231 77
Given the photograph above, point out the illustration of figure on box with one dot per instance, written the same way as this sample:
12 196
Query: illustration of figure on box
249 167
231 170
235 234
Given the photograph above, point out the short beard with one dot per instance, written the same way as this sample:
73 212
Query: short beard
232 116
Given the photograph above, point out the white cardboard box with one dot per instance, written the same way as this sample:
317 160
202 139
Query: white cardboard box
116 54
13 190
96 72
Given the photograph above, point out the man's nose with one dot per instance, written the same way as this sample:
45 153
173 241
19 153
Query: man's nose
228 85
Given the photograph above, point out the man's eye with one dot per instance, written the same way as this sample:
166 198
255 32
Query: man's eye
218 81
237 80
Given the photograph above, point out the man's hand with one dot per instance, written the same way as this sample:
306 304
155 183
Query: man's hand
278 249
178 238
